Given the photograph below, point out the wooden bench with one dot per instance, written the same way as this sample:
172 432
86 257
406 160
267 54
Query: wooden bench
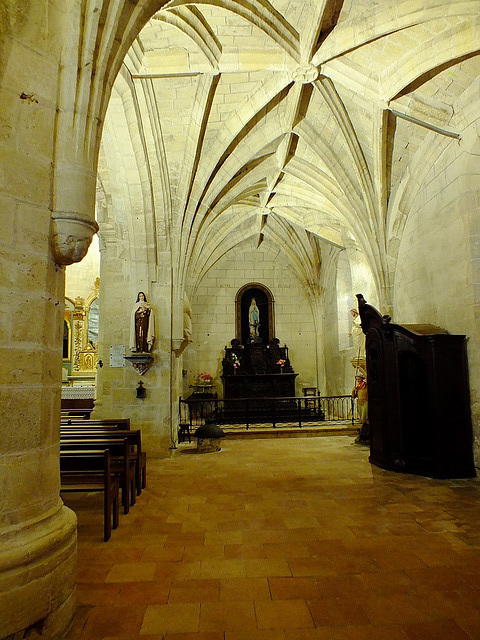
121 460
84 414
109 423
99 431
91 471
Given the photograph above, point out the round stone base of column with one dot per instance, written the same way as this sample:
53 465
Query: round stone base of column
37 576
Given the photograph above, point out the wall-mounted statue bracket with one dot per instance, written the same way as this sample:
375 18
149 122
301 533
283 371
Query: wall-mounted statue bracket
140 362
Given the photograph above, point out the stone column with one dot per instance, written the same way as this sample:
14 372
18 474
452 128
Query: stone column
37 532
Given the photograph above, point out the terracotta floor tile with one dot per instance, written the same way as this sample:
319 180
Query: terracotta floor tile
213 635
183 539
312 567
120 622
224 568
228 616
472 627
433 578
263 634
131 572
147 540
286 550
177 570
193 553
445 604
283 614
245 551
263 536
393 609
300 522
257 568
361 632
275 529
94 594
108 555
90 573
142 593
244 589
386 582
444 629
341 586
222 537
293 588
171 618
156 526
154 553
348 563
195 591
337 612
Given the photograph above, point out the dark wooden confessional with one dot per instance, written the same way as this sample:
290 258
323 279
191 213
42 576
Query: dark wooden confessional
418 397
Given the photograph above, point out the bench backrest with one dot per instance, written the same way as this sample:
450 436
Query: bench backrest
68 434
118 423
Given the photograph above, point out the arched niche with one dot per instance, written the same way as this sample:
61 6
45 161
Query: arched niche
265 303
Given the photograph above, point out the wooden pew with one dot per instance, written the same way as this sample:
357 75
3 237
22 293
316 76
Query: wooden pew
121 461
110 423
99 431
83 414
91 471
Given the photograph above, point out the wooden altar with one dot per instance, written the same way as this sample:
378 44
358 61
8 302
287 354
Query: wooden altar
418 397
257 371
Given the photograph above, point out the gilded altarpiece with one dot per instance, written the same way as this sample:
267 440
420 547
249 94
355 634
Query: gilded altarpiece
80 351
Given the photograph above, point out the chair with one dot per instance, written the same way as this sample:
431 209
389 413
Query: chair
310 391
184 422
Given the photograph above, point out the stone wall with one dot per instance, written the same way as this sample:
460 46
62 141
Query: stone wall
213 313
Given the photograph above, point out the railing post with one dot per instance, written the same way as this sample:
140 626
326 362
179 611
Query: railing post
274 422
299 403
247 412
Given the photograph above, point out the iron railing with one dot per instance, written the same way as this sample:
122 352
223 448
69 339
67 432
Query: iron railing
195 412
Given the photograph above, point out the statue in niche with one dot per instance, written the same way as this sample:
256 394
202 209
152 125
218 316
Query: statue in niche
254 320
142 326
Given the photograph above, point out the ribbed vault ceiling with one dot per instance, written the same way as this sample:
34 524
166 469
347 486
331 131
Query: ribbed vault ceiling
287 121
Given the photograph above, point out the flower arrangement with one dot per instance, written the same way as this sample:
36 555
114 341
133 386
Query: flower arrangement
204 378
235 361
281 362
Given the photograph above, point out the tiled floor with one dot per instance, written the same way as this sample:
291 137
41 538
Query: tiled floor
282 539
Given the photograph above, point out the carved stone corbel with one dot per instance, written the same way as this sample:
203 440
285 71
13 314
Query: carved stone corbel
140 362
179 345
71 237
